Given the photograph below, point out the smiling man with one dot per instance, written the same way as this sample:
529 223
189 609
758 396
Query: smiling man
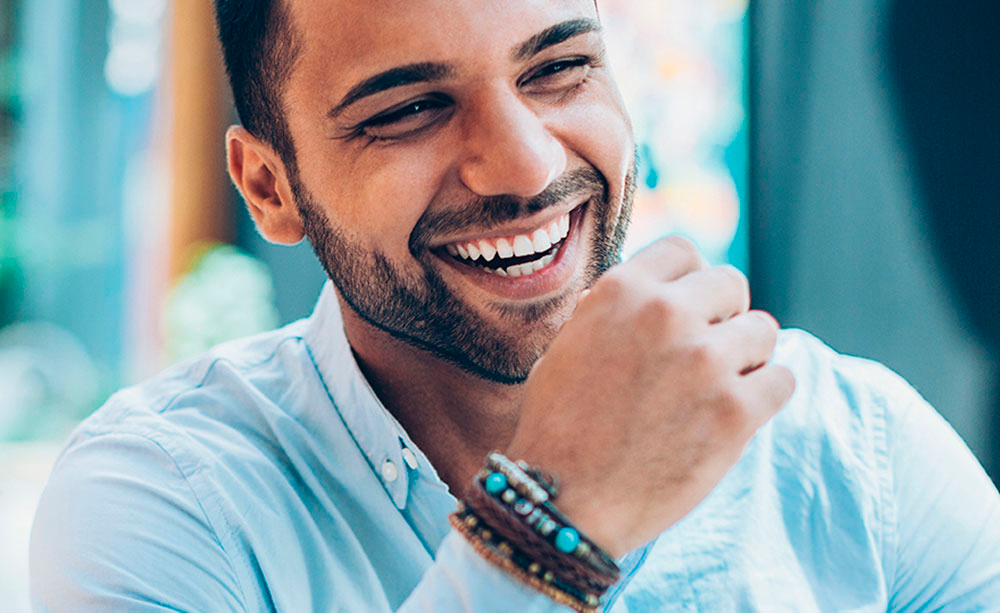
464 170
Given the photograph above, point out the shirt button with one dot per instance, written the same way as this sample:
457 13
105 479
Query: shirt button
389 471
409 458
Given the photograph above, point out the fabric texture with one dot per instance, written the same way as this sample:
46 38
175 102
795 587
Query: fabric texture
266 476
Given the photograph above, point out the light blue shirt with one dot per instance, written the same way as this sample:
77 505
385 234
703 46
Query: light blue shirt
267 476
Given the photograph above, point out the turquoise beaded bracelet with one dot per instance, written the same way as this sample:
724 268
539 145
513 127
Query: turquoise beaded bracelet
512 484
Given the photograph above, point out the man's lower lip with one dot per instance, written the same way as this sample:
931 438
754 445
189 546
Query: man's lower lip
541 282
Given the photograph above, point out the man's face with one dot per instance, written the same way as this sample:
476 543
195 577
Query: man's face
464 167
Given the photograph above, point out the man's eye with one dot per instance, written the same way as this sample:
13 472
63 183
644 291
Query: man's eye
569 69
408 110
406 119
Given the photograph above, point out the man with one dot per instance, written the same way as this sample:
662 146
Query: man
464 170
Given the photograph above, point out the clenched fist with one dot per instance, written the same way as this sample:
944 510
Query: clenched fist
649 393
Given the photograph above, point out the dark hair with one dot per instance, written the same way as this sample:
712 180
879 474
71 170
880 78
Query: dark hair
260 47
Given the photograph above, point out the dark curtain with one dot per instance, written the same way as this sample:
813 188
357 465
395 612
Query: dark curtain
944 60
874 177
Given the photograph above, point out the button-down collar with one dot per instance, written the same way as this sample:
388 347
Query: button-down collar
377 433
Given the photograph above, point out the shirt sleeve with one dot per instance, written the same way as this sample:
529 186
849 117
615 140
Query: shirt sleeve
461 580
119 529
947 554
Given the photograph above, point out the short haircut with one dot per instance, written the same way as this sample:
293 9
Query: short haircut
260 46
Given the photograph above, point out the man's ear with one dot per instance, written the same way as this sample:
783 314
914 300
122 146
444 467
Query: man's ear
261 177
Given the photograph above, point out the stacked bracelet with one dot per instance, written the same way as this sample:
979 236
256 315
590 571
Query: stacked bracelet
544 517
511 520
517 562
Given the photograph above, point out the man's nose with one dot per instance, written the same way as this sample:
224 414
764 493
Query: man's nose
508 149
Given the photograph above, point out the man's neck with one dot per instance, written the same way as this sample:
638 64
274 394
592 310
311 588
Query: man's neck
454 417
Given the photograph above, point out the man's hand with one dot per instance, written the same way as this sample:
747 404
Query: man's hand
650 392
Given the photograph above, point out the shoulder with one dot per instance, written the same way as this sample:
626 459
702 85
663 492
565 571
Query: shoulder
119 525
845 409
194 410
851 398
831 445
147 495
825 372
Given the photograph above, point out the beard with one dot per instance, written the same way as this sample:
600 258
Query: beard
422 311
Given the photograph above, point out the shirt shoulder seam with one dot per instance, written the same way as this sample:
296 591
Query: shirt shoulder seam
224 359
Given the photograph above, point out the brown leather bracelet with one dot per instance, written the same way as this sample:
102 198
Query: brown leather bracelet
503 557
568 567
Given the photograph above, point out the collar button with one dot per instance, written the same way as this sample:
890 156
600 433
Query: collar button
389 471
410 458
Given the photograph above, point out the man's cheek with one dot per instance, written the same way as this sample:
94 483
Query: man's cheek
609 149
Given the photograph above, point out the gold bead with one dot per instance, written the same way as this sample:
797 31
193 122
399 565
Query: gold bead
591 600
534 567
471 521
486 534
548 576
505 549
582 549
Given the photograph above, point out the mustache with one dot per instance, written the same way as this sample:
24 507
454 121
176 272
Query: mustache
489 211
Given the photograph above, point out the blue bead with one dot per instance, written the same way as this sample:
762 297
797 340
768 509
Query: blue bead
496 483
546 525
567 539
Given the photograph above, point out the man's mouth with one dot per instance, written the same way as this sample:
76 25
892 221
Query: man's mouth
519 255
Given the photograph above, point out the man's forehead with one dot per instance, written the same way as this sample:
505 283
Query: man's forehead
363 36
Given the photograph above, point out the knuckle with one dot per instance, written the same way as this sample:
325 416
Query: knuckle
766 319
734 277
615 283
732 410
786 379
764 326
684 250
681 244
659 309
706 358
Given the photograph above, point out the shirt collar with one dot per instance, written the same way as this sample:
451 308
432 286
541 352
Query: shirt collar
377 433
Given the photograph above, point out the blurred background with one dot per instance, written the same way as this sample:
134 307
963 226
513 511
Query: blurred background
843 154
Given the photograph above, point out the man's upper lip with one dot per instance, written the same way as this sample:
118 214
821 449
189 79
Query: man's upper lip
525 225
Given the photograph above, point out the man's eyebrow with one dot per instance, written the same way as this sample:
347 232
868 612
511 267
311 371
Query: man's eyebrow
558 33
394 77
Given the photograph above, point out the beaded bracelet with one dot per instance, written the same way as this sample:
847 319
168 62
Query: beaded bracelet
510 526
504 480
511 520
510 558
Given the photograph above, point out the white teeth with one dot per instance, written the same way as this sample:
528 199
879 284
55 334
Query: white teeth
523 246
553 231
504 249
522 270
541 241
488 250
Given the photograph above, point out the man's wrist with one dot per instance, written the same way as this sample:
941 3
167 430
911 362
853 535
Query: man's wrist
510 518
